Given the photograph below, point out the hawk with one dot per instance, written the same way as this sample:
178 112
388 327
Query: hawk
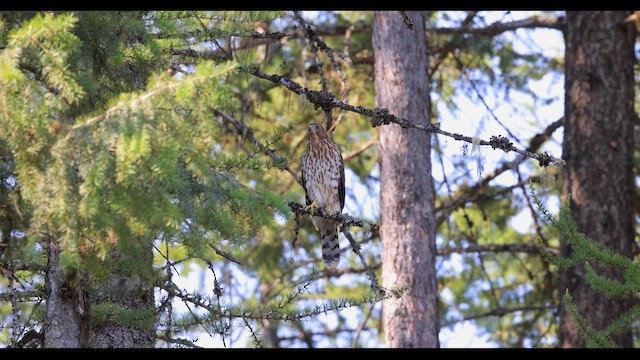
323 183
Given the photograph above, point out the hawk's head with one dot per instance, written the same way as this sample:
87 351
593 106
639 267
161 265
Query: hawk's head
317 132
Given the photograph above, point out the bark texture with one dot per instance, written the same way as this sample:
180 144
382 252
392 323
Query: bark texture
65 320
128 291
598 147
407 192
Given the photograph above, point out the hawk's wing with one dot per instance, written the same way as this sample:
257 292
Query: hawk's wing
304 182
341 182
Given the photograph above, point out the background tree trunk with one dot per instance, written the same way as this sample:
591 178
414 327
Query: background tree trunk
407 193
598 147
65 322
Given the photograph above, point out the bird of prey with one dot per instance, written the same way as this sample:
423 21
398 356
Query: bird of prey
323 182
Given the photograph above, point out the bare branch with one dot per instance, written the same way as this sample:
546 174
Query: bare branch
503 311
470 193
497 28
356 336
359 150
325 332
525 248
470 196
335 273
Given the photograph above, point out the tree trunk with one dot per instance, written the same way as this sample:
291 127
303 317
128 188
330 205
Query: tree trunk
125 298
65 320
598 147
407 192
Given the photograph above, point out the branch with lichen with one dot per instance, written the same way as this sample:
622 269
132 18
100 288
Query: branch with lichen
317 44
345 220
381 116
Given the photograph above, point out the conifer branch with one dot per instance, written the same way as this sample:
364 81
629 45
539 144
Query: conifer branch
248 133
278 312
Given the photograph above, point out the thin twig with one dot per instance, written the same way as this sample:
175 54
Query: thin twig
497 28
217 291
183 342
360 327
359 150
501 312
459 201
224 254
253 334
482 100
169 280
372 275
316 43
468 196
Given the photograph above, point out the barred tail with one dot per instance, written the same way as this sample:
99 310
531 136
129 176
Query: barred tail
331 248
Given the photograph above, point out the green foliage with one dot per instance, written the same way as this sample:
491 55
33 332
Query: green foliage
113 153
586 251
493 282
113 143
141 318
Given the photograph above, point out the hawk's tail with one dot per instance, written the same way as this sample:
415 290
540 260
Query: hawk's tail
331 248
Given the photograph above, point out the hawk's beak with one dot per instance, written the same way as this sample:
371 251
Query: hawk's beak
313 134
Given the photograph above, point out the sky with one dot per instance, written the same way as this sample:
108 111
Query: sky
475 117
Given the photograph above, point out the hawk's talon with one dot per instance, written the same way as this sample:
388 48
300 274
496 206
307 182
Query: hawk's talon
314 205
